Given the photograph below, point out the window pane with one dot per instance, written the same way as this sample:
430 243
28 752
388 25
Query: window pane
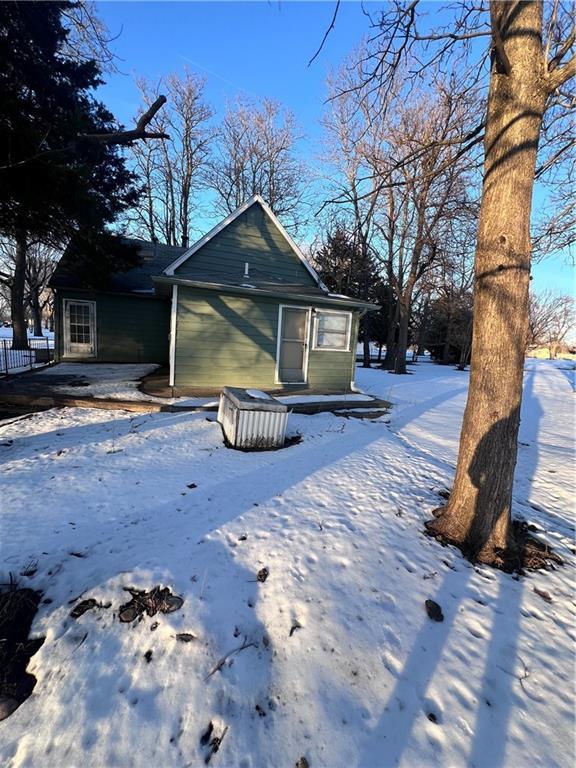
332 330
291 354
331 340
293 323
337 323
79 319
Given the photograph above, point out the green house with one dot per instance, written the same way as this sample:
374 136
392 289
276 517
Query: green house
241 307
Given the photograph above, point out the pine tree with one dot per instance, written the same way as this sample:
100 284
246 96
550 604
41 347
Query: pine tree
53 183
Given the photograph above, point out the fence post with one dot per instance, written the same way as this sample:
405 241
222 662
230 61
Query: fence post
32 354
5 356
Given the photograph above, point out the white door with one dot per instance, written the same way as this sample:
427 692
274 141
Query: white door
79 328
293 345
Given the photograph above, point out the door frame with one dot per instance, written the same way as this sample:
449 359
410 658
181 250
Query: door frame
308 311
66 328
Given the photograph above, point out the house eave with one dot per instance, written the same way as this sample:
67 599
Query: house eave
310 299
170 269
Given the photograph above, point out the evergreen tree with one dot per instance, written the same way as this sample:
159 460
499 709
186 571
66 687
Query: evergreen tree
344 269
53 183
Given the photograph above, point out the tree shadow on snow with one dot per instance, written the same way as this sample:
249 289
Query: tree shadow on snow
410 706
179 540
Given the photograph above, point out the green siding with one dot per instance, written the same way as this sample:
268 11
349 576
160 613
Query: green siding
226 339
129 329
253 238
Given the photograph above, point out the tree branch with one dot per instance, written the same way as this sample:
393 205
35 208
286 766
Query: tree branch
330 28
565 47
561 75
497 43
140 132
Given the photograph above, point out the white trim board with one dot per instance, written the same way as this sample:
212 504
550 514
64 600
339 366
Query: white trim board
173 318
228 220
320 310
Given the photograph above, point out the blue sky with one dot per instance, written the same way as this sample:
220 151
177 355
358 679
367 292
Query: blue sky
260 49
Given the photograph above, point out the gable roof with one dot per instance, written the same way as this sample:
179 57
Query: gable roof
255 199
155 258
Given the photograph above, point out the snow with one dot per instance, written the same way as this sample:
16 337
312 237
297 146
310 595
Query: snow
6 333
293 399
258 394
347 669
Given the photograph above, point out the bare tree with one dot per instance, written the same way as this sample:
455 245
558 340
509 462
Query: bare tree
38 268
451 292
255 153
551 317
88 36
433 190
40 264
352 137
526 75
171 170
399 211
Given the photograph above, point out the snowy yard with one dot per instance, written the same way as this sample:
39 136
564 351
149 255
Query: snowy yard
342 665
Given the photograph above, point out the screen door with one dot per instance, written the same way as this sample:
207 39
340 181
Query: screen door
293 345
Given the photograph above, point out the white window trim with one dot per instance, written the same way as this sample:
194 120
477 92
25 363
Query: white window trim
315 346
308 311
66 333
173 324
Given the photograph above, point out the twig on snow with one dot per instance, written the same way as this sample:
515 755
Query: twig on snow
220 663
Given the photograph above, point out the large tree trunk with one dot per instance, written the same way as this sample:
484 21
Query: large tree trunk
390 356
36 314
446 349
17 289
367 356
404 320
465 349
478 514
422 329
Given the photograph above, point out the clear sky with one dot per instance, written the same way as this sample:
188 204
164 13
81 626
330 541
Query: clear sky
260 49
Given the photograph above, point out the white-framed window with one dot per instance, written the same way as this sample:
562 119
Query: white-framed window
332 330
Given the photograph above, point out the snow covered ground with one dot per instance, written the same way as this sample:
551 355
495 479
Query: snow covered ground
343 667
6 333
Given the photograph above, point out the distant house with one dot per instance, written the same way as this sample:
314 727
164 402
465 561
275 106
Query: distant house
241 307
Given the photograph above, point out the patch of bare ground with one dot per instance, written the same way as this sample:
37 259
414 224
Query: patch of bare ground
18 607
525 553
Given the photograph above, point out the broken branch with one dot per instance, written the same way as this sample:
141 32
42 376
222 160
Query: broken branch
140 132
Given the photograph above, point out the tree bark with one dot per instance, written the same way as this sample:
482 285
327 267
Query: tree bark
36 314
390 356
404 320
477 517
366 341
446 355
17 291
